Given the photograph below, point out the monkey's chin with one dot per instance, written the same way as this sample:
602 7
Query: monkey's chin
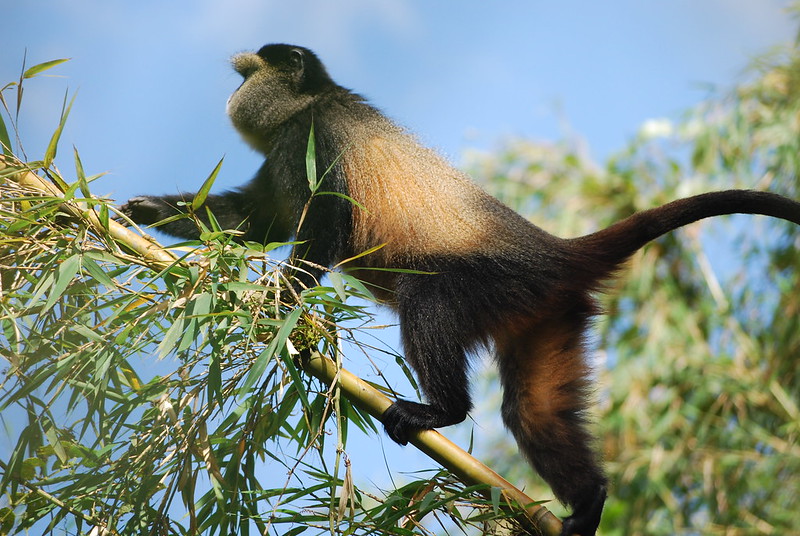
229 103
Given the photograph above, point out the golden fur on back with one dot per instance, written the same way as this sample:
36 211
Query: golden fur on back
405 187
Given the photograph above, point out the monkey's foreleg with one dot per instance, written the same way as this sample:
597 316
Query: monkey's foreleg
435 345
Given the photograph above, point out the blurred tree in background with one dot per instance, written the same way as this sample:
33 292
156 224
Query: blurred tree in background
697 361
153 393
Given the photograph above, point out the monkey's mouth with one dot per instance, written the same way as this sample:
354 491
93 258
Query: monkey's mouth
229 102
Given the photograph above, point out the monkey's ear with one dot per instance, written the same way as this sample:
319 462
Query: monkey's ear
297 61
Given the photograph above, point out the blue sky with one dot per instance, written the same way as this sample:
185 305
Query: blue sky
153 77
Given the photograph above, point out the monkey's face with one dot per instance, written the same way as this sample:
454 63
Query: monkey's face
279 81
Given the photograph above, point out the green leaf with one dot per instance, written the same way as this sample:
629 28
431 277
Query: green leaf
7 520
311 161
40 68
346 198
214 387
338 284
213 222
63 277
496 494
429 501
97 272
13 466
176 217
170 340
52 147
202 194
359 255
58 448
197 311
275 345
5 140
87 332
297 382
103 215
84 186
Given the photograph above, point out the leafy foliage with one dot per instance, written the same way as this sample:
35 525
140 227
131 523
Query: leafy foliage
163 395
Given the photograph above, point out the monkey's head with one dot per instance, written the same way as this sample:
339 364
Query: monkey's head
279 81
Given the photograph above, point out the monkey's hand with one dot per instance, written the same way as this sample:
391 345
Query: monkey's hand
145 209
403 418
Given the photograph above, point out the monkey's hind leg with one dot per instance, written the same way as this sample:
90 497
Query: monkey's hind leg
546 382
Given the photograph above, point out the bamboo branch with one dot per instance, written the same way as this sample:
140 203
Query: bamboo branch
434 444
359 392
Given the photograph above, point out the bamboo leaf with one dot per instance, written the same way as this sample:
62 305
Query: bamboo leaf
170 340
276 345
42 67
197 311
345 197
311 161
84 185
5 140
58 448
176 217
297 381
63 277
103 215
97 273
362 254
214 387
338 284
52 147
496 495
202 194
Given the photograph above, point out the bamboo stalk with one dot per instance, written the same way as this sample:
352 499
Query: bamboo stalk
432 443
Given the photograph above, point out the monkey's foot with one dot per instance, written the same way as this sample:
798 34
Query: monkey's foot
586 515
403 418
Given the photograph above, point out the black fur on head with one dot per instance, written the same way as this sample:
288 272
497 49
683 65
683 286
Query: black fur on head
302 64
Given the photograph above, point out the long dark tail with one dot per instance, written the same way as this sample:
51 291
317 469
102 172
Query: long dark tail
608 248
